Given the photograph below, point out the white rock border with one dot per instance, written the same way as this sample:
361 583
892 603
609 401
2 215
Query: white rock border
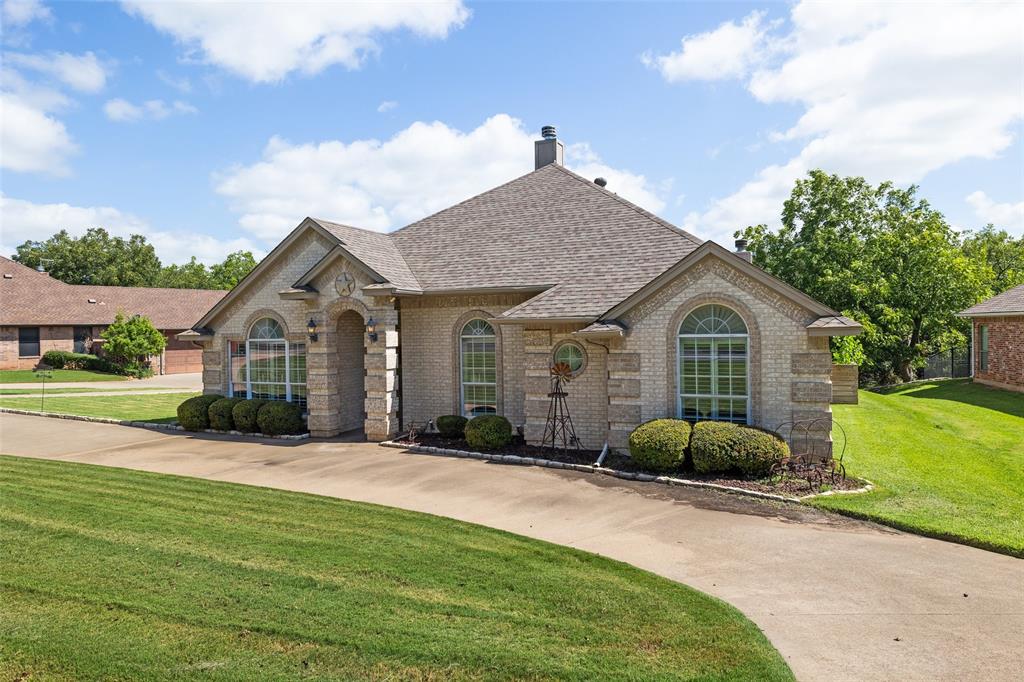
616 473
143 425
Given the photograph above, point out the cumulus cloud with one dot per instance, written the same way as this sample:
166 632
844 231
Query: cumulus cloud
155 109
888 91
384 185
729 51
25 220
82 72
1007 216
264 42
17 13
32 141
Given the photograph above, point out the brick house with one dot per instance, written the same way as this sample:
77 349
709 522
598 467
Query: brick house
997 334
464 312
39 313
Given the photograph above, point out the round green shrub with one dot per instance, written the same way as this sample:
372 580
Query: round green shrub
718 447
220 414
452 426
243 414
660 444
488 431
279 419
193 414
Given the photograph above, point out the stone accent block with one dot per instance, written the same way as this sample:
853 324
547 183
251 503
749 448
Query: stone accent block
811 363
618 438
628 413
624 362
811 391
623 388
537 338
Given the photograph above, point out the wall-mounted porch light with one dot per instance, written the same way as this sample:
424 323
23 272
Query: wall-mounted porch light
371 329
311 330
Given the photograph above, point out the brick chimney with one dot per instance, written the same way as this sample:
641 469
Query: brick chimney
549 149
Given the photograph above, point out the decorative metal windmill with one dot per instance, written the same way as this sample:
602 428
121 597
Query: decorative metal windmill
559 431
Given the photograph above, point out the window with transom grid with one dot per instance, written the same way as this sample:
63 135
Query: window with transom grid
267 366
714 366
478 368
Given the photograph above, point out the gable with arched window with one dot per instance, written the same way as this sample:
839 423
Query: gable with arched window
267 365
478 368
713 357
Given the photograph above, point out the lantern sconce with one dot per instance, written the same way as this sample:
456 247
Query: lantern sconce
311 330
371 329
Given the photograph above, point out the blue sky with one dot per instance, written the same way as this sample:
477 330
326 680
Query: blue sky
211 128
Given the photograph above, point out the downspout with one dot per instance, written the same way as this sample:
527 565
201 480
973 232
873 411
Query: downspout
398 363
607 380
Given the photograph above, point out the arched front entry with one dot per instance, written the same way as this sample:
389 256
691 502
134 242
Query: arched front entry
351 374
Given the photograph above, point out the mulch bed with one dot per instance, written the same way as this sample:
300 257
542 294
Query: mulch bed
614 460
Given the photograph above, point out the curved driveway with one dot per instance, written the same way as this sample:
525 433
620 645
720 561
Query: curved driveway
840 599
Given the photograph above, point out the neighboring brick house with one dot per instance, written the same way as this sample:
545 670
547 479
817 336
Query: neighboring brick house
39 313
998 340
470 307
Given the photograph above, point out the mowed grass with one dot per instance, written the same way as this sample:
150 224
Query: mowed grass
157 408
118 574
26 376
37 391
947 458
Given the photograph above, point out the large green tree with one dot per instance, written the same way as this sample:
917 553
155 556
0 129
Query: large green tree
96 257
1000 255
880 255
227 274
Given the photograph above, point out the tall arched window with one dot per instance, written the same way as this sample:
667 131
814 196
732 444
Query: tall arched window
479 369
713 358
267 365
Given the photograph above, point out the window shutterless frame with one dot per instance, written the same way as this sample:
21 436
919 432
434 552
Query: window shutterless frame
478 378
713 366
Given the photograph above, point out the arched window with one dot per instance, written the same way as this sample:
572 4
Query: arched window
713 358
267 365
479 369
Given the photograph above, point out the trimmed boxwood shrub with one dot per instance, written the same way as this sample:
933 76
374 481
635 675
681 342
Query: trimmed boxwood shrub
660 444
193 414
220 414
279 419
452 425
488 431
65 359
244 412
717 447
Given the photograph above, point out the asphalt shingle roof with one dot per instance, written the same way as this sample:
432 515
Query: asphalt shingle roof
1010 301
30 298
376 250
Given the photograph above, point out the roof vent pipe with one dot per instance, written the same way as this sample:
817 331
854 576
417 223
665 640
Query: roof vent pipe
741 251
600 182
548 133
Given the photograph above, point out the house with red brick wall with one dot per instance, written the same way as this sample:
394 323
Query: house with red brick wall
998 340
39 313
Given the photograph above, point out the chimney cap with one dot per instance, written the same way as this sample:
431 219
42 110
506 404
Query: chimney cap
741 245
600 182
548 132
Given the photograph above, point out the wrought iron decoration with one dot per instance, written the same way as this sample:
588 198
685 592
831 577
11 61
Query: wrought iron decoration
559 431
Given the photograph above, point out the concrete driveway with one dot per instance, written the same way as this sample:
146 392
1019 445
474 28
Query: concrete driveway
840 599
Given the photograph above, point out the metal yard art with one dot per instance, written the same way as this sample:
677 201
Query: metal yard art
559 431
811 458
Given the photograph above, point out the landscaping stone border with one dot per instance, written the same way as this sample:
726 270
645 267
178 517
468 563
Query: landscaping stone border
616 473
144 425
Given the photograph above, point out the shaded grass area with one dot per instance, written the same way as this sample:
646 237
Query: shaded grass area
157 408
947 458
50 389
25 376
120 574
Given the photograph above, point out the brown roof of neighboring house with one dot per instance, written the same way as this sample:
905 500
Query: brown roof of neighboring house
1010 302
30 298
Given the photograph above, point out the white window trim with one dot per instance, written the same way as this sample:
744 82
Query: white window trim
714 396
248 378
462 350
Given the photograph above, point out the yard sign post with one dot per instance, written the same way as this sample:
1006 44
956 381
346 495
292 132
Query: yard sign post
42 371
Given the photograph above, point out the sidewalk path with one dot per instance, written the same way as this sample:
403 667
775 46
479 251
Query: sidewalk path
840 599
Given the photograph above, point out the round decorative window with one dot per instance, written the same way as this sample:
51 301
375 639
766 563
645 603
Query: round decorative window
572 354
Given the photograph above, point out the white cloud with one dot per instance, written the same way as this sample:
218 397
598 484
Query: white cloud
31 141
182 84
84 72
264 42
387 105
1007 216
729 51
156 109
581 159
21 12
22 220
384 185
890 91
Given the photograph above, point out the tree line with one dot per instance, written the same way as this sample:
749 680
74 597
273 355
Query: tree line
884 257
98 257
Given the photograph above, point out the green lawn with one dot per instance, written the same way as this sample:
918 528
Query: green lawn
49 389
948 460
159 407
25 376
116 574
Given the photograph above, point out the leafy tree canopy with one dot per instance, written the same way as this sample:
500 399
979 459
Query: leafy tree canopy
98 257
884 257
129 340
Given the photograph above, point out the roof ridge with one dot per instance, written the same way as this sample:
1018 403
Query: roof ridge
386 235
629 204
